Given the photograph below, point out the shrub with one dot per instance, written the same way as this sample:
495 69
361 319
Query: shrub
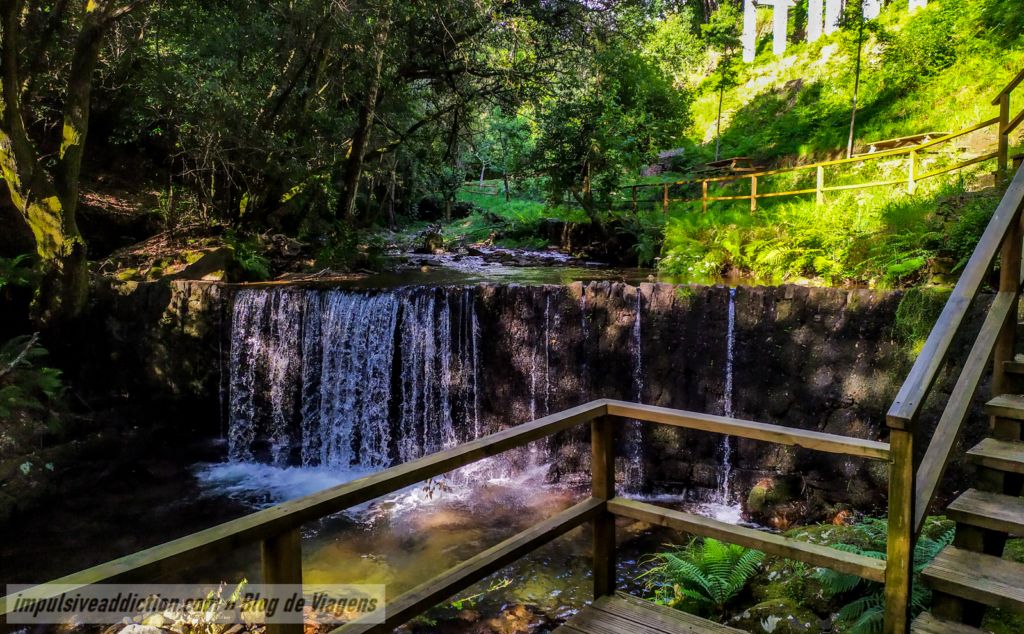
702 577
865 613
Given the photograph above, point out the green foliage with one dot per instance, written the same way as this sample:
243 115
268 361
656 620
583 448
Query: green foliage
876 238
702 577
26 387
16 271
248 252
864 614
917 313
606 124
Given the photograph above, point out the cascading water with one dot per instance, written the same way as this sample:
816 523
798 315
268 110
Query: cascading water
722 506
312 376
633 458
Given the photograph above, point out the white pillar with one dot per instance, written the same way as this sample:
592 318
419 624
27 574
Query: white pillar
814 19
780 17
833 11
917 4
749 30
872 8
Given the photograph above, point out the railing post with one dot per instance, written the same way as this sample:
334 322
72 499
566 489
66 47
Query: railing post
664 200
602 467
819 187
1009 282
281 563
753 194
704 196
634 198
912 173
899 565
1004 136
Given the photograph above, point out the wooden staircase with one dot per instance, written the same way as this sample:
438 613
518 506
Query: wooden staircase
970 576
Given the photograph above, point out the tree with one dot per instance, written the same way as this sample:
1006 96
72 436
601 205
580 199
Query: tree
604 125
722 35
45 189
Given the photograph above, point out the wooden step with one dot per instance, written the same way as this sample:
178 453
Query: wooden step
1014 367
928 624
630 615
1006 406
976 577
992 511
1001 455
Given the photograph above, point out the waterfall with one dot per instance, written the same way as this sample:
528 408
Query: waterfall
724 487
349 380
634 445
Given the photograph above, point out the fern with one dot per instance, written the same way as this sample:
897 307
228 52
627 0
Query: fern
24 385
864 614
701 577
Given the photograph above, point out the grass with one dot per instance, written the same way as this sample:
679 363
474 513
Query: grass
878 238
515 223
935 70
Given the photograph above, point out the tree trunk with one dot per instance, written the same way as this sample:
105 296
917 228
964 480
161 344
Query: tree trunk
48 202
718 125
504 178
856 88
357 153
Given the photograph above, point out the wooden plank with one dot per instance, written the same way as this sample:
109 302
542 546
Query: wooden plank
1004 138
1014 122
968 163
922 376
430 593
590 620
771 543
1013 367
659 617
281 561
1009 87
899 568
936 457
840 188
226 537
830 443
795 192
1006 406
927 623
991 511
1001 455
977 577
602 468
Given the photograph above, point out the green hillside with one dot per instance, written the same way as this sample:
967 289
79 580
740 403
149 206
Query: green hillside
934 71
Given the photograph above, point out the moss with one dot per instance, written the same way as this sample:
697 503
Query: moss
777 616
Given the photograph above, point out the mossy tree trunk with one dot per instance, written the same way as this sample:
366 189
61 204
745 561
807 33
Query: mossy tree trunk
45 191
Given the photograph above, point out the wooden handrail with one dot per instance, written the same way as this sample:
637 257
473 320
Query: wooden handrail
814 554
809 166
1009 87
919 381
287 515
278 526
936 457
429 593
777 434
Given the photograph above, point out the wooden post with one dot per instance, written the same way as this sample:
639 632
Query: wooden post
912 173
704 196
664 200
281 560
899 567
820 187
1004 136
602 467
634 198
753 194
1009 281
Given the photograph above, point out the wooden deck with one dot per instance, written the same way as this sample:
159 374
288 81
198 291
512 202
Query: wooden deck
627 614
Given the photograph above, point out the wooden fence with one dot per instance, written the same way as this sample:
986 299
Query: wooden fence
277 528
911 177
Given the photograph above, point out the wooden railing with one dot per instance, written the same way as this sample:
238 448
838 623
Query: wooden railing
911 178
912 491
277 528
